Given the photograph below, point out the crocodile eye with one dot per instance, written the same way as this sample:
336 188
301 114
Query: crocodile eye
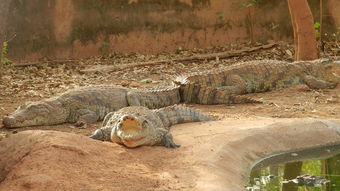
120 124
38 108
32 107
25 105
144 124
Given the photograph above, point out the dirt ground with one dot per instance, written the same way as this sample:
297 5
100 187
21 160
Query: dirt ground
30 83
214 156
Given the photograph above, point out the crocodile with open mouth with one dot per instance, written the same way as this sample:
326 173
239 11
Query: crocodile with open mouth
136 126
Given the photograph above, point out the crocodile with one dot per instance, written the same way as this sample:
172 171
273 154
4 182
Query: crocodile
253 77
136 126
222 86
88 104
309 180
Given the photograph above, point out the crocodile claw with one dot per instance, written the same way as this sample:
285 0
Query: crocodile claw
169 142
98 135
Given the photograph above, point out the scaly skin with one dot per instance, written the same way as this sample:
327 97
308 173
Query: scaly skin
88 105
137 126
222 86
154 98
254 76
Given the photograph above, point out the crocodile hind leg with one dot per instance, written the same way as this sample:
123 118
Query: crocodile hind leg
231 89
85 117
211 95
235 84
314 83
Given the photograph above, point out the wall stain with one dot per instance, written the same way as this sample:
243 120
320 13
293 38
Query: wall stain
100 24
34 32
119 17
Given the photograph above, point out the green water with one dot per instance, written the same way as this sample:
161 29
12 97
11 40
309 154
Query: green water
327 168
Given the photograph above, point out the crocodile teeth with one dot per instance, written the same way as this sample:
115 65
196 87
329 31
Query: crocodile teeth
130 136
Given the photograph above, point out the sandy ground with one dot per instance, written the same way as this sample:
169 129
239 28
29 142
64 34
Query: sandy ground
213 156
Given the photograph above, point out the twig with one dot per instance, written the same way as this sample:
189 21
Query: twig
213 56
321 21
24 64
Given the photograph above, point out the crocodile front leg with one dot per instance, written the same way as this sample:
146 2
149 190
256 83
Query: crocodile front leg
85 117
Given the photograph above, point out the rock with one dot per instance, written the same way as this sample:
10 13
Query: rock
146 81
3 135
38 180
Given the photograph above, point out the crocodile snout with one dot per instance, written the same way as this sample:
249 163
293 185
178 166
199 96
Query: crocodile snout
8 121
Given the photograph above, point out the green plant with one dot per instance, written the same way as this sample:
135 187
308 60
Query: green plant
4 51
105 47
317 27
4 61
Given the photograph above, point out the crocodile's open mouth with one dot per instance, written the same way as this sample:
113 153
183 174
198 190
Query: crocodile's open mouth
131 131
130 125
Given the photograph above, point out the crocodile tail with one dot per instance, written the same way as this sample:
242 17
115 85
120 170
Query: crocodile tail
180 114
154 97
243 99
215 95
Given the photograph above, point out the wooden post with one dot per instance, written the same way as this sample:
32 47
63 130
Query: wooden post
304 33
321 21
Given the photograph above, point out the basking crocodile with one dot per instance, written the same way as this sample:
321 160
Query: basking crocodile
136 126
88 105
220 86
91 104
254 76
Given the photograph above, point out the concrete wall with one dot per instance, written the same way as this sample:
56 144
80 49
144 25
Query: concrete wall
82 28
4 9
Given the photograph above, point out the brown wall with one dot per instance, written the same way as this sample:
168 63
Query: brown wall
83 28
4 8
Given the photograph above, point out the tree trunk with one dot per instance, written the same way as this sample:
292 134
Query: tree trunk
292 170
303 27
333 171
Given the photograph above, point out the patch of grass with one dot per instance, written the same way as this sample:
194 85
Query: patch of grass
4 50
